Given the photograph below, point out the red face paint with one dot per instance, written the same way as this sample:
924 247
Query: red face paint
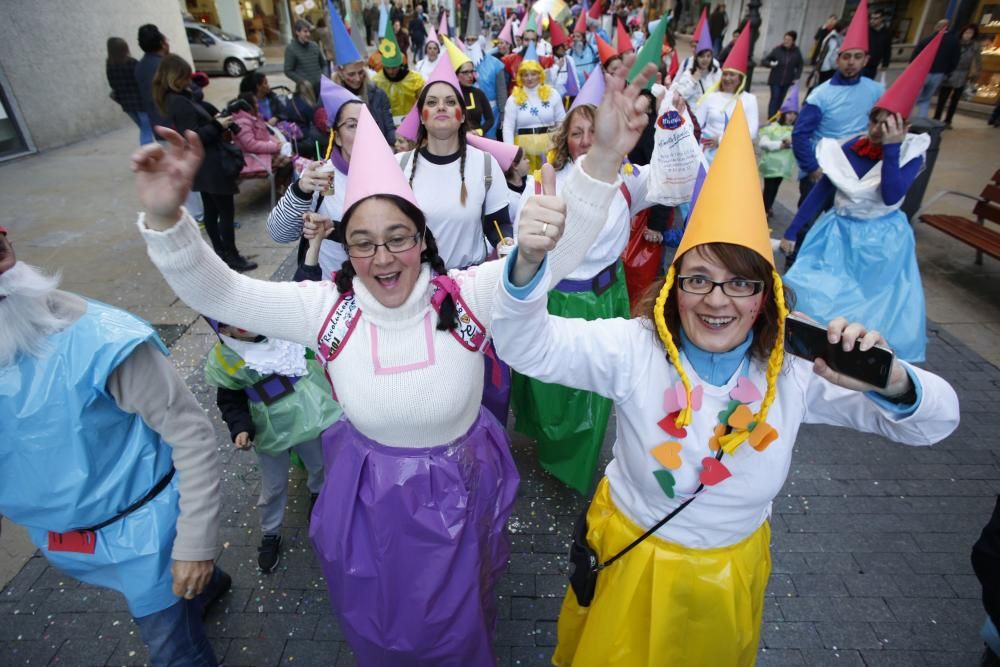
426 114
458 114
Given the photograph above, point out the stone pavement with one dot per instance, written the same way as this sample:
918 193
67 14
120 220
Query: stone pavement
871 540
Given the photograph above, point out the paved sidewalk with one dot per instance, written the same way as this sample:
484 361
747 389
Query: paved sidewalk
871 540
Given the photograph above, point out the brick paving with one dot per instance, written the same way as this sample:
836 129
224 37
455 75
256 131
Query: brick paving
871 546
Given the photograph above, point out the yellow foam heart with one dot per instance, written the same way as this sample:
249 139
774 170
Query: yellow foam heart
668 454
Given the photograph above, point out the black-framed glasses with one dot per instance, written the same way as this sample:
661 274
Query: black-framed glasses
397 244
737 287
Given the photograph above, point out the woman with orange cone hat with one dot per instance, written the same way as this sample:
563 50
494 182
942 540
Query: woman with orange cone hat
859 258
715 109
410 525
708 409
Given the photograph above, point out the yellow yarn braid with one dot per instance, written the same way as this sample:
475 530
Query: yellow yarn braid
718 85
774 362
684 417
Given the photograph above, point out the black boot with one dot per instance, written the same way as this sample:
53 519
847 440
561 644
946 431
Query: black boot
239 263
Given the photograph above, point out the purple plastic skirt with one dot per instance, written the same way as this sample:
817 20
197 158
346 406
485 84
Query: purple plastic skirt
412 542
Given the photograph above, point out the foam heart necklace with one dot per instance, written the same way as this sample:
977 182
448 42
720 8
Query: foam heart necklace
736 416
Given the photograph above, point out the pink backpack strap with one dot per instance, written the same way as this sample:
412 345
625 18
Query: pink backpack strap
470 332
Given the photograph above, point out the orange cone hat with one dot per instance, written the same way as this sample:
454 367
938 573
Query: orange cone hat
624 41
729 207
857 32
902 94
374 171
740 55
604 50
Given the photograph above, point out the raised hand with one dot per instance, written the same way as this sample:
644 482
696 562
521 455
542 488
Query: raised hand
316 226
839 330
312 180
893 129
163 176
619 122
541 225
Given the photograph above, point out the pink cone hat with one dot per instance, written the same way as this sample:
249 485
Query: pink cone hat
505 34
504 153
374 171
432 35
410 125
443 28
444 71
592 91
857 33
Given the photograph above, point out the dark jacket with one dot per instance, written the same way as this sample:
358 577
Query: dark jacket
417 30
879 51
124 87
717 22
305 62
947 56
186 114
145 70
786 65
378 105
480 114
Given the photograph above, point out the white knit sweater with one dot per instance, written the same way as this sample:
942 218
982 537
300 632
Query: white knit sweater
433 401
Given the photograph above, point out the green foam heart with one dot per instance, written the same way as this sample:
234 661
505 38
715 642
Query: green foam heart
666 481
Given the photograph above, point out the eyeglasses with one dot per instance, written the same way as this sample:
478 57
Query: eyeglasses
396 244
737 287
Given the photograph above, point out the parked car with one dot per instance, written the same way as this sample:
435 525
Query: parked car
216 51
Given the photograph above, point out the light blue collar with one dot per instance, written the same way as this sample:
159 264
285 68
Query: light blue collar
716 368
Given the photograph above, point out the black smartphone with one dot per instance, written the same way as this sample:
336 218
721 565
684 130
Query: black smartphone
807 340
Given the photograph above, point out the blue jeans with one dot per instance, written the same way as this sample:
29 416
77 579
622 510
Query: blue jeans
175 636
141 118
931 84
778 93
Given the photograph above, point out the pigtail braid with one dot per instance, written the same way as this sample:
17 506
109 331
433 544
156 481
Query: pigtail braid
448 317
461 167
684 417
344 279
777 356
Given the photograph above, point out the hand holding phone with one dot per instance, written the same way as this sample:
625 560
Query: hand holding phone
865 365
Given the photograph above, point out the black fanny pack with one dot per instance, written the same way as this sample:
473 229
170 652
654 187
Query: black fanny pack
584 562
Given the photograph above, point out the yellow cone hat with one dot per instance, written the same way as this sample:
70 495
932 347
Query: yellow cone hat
730 208
455 54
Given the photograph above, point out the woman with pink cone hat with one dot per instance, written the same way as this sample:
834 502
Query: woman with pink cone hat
432 52
320 189
460 188
410 525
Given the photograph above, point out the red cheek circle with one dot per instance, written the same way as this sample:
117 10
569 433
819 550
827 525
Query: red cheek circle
458 114
426 114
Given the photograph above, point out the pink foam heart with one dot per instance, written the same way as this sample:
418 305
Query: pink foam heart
745 391
696 398
674 399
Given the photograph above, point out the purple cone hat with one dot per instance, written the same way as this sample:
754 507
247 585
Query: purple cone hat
704 42
792 100
334 97
592 91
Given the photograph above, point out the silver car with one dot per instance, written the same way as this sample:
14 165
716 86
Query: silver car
216 51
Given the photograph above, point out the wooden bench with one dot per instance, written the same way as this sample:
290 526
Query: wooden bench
975 233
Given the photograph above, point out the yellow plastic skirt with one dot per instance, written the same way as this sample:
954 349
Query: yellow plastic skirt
664 604
534 146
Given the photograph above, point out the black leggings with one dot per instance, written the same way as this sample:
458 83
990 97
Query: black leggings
771 186
944 92
220 215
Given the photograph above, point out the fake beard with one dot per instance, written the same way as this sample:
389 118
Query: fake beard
26 317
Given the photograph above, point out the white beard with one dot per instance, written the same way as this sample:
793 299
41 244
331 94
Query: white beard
26 316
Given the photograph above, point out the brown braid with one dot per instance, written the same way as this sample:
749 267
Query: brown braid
461 167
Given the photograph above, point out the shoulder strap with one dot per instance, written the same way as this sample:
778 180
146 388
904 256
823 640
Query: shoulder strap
487 179
406 160
627 195
337 328
470 333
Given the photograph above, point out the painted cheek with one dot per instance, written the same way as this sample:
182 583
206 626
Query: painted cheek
426 114
458 114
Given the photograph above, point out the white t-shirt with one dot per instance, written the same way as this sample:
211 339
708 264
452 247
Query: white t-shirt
457 229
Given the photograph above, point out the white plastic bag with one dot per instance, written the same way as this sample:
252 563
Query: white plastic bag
676 155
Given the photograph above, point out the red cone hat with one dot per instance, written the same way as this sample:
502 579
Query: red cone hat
740 55
595 11
624 41
857 33
557 34
581 24
902 94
